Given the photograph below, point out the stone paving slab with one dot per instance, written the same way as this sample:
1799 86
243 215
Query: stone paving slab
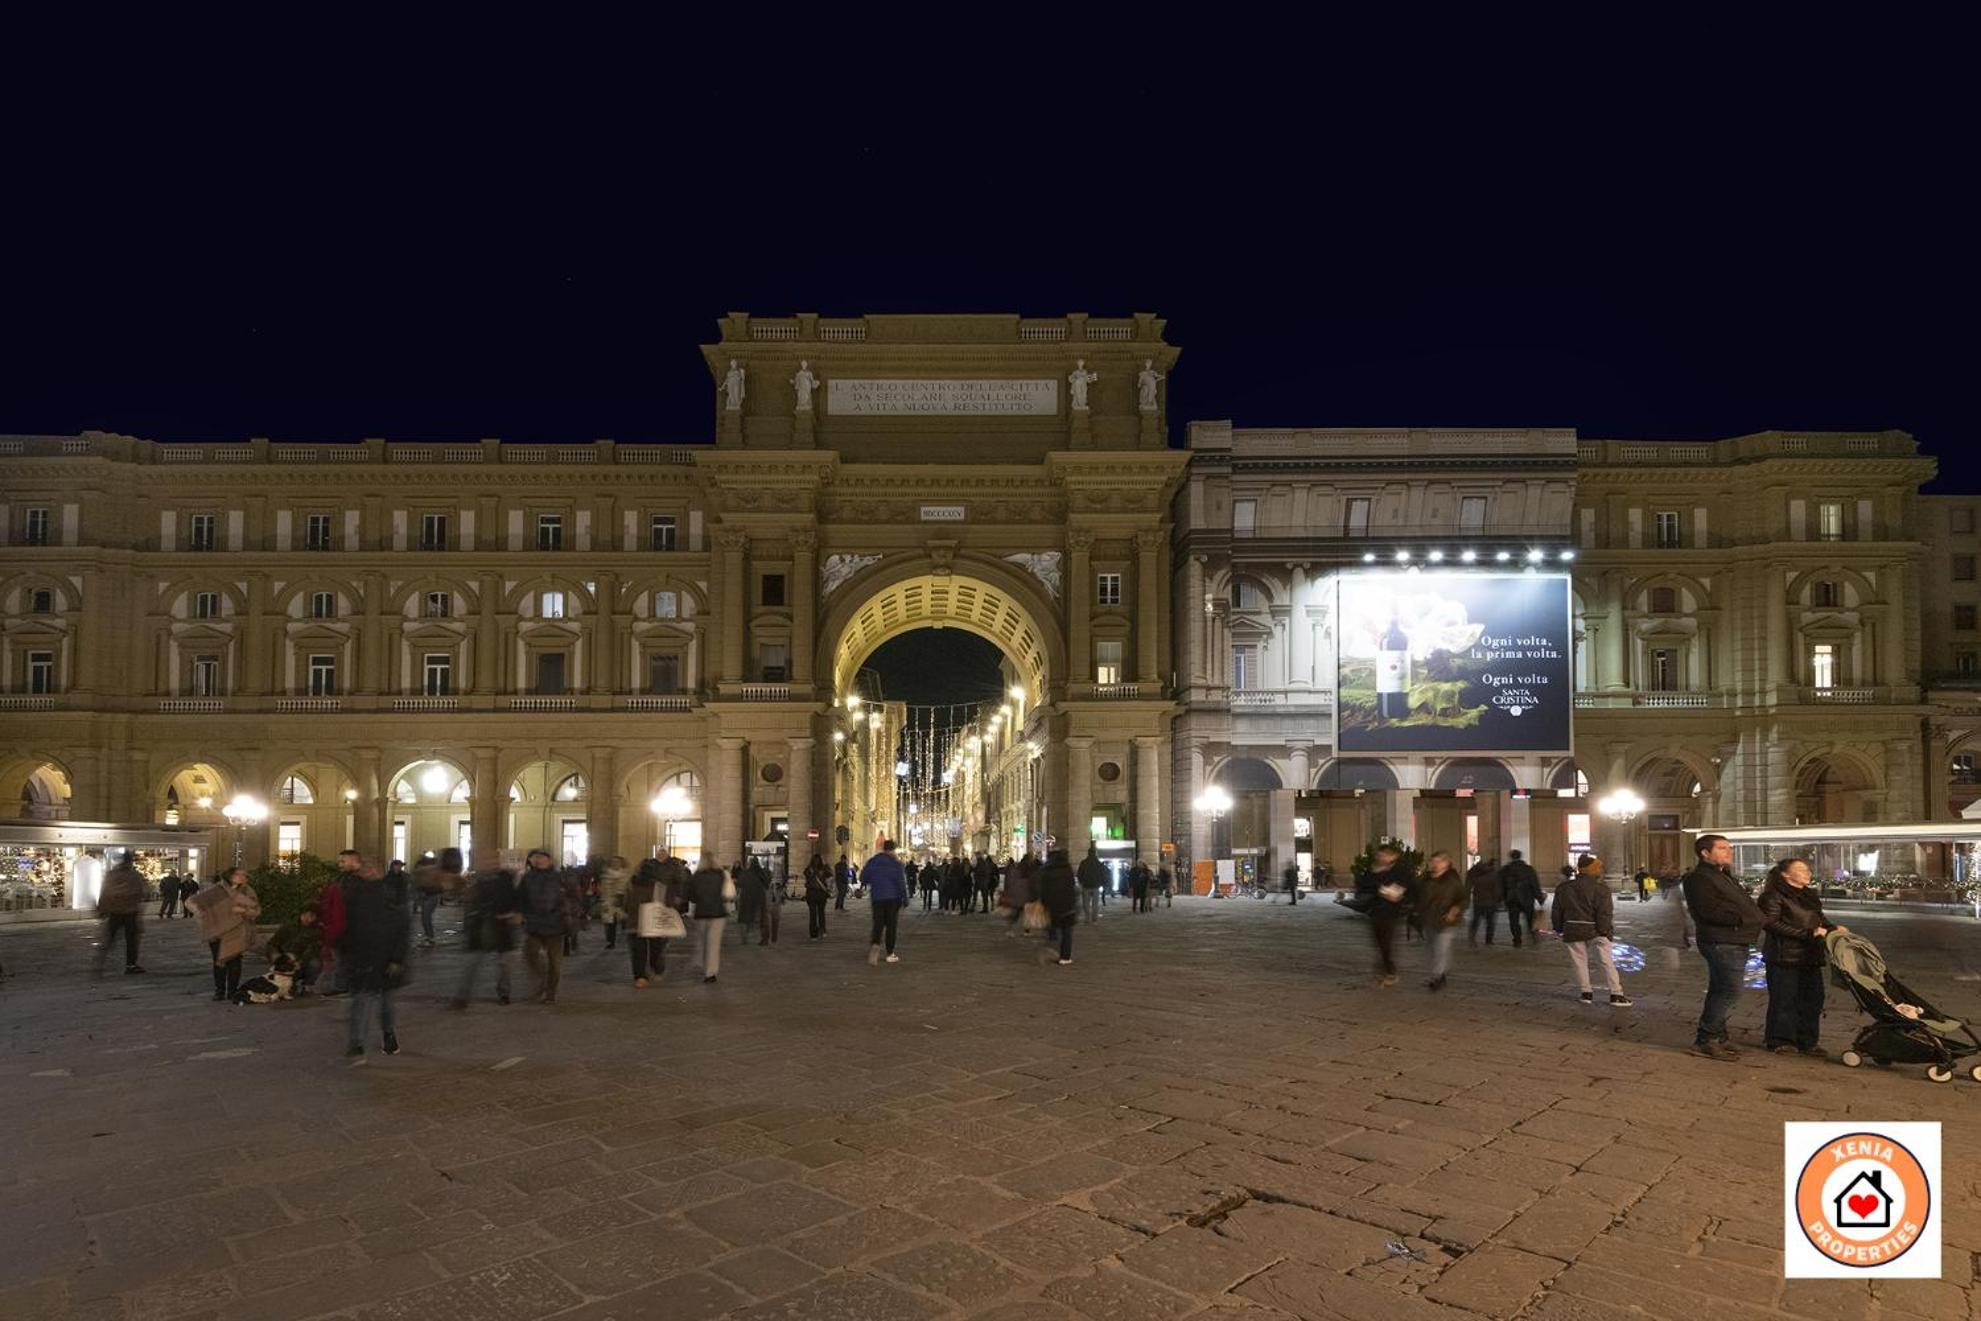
1212 1114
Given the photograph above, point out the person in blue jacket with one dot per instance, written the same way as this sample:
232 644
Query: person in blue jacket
887 890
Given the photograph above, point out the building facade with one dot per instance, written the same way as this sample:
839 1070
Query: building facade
406 646
1746 618
599 647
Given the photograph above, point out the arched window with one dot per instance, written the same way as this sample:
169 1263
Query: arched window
460 794
569 790
294 790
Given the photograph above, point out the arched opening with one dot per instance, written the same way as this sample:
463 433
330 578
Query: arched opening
1834 790
194 795
940 685
312 809
549 808
430 809
1677 801
45 794
1477 775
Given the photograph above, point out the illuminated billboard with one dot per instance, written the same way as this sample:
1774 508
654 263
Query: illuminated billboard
1453 662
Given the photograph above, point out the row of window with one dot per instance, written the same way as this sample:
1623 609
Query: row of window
436 674
437 605
203 531
1355 516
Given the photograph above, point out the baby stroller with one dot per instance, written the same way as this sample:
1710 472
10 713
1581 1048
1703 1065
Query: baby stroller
1924 1036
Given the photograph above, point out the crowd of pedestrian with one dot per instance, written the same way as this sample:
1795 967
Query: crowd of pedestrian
358 929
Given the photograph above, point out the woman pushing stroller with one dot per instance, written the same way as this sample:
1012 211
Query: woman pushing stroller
1792 947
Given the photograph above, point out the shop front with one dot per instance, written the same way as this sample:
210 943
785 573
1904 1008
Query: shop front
52 869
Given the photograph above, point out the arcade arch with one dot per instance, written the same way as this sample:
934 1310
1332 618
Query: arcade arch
430 808
44 791
549 808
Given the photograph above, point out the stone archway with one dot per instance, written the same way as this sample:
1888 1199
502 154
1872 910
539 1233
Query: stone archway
992 602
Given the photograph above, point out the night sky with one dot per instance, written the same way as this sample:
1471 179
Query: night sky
1696 252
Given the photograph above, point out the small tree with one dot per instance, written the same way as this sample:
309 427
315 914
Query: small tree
1411 860
286 885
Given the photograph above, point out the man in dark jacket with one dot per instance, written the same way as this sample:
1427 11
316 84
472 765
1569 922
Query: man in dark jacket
1092 876
887 891
1054 886
119 903
1385 892
545 902
168 894
378 934
752 888
986 877
1487 896
1728 923
489 921
1289 880
842 881
1520 889
1139 881
1584 914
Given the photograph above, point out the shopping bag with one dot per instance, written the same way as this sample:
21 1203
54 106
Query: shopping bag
658 920
1036 917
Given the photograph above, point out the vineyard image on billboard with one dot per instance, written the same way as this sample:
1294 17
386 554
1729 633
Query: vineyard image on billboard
1453 662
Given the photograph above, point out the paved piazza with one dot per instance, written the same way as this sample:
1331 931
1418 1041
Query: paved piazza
1210 1114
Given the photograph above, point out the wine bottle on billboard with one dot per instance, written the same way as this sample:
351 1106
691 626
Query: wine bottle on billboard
1393 672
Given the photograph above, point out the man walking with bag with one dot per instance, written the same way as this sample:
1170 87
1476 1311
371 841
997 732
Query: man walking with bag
653 896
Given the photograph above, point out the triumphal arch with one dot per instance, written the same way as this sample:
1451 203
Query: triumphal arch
998 474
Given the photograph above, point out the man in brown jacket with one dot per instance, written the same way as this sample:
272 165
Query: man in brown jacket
118 903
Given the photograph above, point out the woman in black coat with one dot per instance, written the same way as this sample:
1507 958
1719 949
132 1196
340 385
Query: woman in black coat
1792 947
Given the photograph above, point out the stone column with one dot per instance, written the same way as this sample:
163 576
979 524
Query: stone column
1150 592
488 637
373 809
371 643
604 640
1200 822
1079 592
735 800
1302 630
1077 832
255 679
1281 828
486 800
1486 805
732 542
1302 776
1611 639
804 606
1191 622
799 804
602 804
1777 639
1517 826
1400 813
1148 800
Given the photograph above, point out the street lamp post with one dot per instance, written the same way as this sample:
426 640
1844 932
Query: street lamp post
1217 802
1623 807
670 805
242 812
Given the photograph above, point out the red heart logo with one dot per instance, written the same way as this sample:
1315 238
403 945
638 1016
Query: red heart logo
1863 1205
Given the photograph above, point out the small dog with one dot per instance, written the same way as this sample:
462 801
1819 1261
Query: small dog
276 984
